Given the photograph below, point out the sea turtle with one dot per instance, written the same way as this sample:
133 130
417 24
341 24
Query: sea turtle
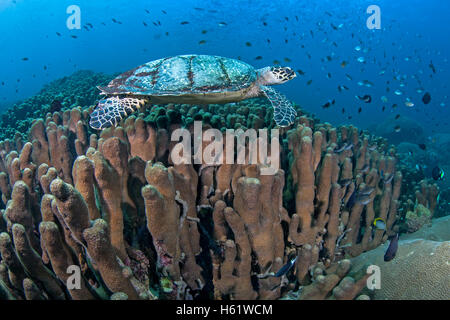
191 79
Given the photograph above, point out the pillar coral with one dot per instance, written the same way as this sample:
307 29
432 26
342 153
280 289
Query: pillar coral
60 155
170 227
89 203
111 176
257 200
232 273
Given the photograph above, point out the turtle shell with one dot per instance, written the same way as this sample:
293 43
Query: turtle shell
185 74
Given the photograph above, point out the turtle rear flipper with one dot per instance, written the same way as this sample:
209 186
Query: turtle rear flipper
283 112
112 110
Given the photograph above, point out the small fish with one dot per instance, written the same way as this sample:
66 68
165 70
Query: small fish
143 22
309 82
397 116
344 64
24 59
222 24
345 182
361 59
276 62
359 110
340 149
348 146
300 72
363 199
366 98
426 98
204 31
258 58
358 48
431 65
342 87
365 168
73 36
184 22
58 34
367 83
392 249
202 42
422 146
163 11
329 103
348 77
384 99
398 92
248 44
351 200
284 269
287 60
409 104
437 173
388 179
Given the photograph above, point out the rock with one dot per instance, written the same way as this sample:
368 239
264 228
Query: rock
420 269
410 130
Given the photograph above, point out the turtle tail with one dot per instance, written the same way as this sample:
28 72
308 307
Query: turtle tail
109 112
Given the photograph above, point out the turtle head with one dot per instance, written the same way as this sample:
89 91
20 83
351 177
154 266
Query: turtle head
275 75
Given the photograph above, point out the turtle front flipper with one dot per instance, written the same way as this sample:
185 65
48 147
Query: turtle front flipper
283 112
112 110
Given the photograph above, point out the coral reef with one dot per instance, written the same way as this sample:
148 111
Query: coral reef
336 282
415 214
78 89
419 271
410 130
436 231
115 205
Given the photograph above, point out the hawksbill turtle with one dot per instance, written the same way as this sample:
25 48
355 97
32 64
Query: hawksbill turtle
191 79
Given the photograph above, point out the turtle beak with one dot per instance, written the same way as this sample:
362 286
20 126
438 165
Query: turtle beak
291 74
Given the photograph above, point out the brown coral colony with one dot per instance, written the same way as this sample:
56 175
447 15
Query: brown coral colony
137 226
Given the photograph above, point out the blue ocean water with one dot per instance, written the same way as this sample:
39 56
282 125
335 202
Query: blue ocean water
314 37
392 81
